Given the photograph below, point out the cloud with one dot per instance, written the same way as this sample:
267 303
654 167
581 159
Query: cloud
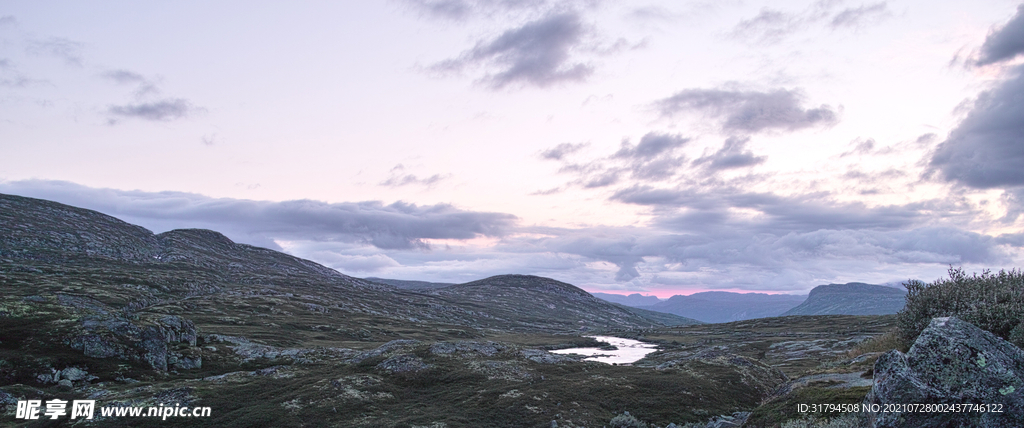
450 9
462 9
1004 43
68 50
772 26
395 226
653 159
697 239
538 53
398 178
8 20
125 77
163 110
750 111
562 150
731 155
408 179
651 145
860 16
764 212
769 26
766 261
986 149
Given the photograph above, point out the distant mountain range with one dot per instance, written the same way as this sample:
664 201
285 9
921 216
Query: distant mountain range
635 299
722 306
854 298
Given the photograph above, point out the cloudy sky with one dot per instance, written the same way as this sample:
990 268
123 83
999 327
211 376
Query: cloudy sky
661 147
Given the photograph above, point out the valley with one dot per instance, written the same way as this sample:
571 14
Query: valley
96 308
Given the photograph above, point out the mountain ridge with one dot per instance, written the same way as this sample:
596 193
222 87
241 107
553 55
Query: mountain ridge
854 298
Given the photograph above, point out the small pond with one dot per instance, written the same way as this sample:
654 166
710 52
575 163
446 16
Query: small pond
629 350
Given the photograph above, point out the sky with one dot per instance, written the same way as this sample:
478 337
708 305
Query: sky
659 147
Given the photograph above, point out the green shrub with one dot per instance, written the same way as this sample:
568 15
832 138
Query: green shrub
993 302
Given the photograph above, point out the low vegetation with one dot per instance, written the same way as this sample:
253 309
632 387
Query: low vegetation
993 302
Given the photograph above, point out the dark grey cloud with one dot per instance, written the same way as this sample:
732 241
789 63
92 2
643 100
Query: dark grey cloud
562 150
750 111
67 50
1012 239
770 260
731 155
394 226
538 53
163 110
783 214
652 159
1004 43
651 145
986 149
860 16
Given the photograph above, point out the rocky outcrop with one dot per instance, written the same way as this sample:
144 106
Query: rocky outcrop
976 376
146 342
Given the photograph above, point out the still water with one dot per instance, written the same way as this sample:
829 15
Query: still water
629 350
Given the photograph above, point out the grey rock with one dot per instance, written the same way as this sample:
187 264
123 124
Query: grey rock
65 383
105 336
74 374
545 357
46 378
188 362
488 349
402 364
387 348
7 399
953 363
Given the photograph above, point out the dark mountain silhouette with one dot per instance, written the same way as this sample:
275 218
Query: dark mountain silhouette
635 299
853 298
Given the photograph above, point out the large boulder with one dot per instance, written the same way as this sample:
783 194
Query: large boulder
976 377
145 341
